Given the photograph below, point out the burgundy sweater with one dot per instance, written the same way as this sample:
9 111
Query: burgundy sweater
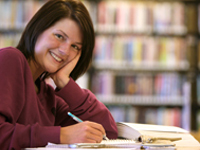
28 119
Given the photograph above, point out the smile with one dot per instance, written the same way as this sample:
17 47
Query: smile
55 57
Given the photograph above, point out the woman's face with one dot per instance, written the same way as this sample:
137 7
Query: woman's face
58 45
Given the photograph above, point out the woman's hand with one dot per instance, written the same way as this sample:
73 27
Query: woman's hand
84 132
61 77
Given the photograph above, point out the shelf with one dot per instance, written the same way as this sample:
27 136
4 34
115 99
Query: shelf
143 66
138 33
11 30
112 30
141 100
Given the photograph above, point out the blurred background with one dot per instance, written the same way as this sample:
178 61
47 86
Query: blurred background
146 60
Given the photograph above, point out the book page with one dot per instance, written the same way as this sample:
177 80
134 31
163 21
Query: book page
150 127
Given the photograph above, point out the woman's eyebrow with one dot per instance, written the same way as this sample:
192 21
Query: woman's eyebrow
79 43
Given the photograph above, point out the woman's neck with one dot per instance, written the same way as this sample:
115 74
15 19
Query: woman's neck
35 70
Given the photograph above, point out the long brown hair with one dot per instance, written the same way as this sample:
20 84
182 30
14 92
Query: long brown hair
48 15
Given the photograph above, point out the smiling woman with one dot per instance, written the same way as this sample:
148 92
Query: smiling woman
47 17
58 42
57 46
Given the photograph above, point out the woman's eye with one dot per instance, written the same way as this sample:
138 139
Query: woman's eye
59 36
75 47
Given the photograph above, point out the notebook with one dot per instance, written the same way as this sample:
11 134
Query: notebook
118 143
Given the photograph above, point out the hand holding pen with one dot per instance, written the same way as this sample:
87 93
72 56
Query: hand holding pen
79 120
83 132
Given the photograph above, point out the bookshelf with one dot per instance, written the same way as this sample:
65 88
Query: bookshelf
145 66
145 61
16 14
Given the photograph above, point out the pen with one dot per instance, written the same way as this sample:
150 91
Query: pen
79 120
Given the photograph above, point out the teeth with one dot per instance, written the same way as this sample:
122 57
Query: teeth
56 58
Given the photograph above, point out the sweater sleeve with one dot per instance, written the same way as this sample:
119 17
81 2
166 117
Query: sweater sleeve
14 134
84 104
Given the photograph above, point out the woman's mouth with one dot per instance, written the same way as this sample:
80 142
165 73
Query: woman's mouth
56 57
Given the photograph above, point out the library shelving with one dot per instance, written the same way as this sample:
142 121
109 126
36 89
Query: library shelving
145 66
145 60
14 16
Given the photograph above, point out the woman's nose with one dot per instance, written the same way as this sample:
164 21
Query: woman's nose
65 49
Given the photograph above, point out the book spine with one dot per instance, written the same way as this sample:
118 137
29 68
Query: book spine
140 17
160 116
160 85
15 16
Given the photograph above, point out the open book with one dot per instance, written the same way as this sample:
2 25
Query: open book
137 131
147 133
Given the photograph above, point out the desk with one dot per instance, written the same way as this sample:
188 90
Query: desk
188 148
188 142
178 148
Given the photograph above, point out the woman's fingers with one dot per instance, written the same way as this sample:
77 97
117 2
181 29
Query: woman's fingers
61 77
85 132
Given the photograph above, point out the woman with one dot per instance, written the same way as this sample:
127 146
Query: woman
57 42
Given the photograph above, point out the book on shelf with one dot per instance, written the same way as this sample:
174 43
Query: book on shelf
141 51
140 17
140 84
148 115
16 14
